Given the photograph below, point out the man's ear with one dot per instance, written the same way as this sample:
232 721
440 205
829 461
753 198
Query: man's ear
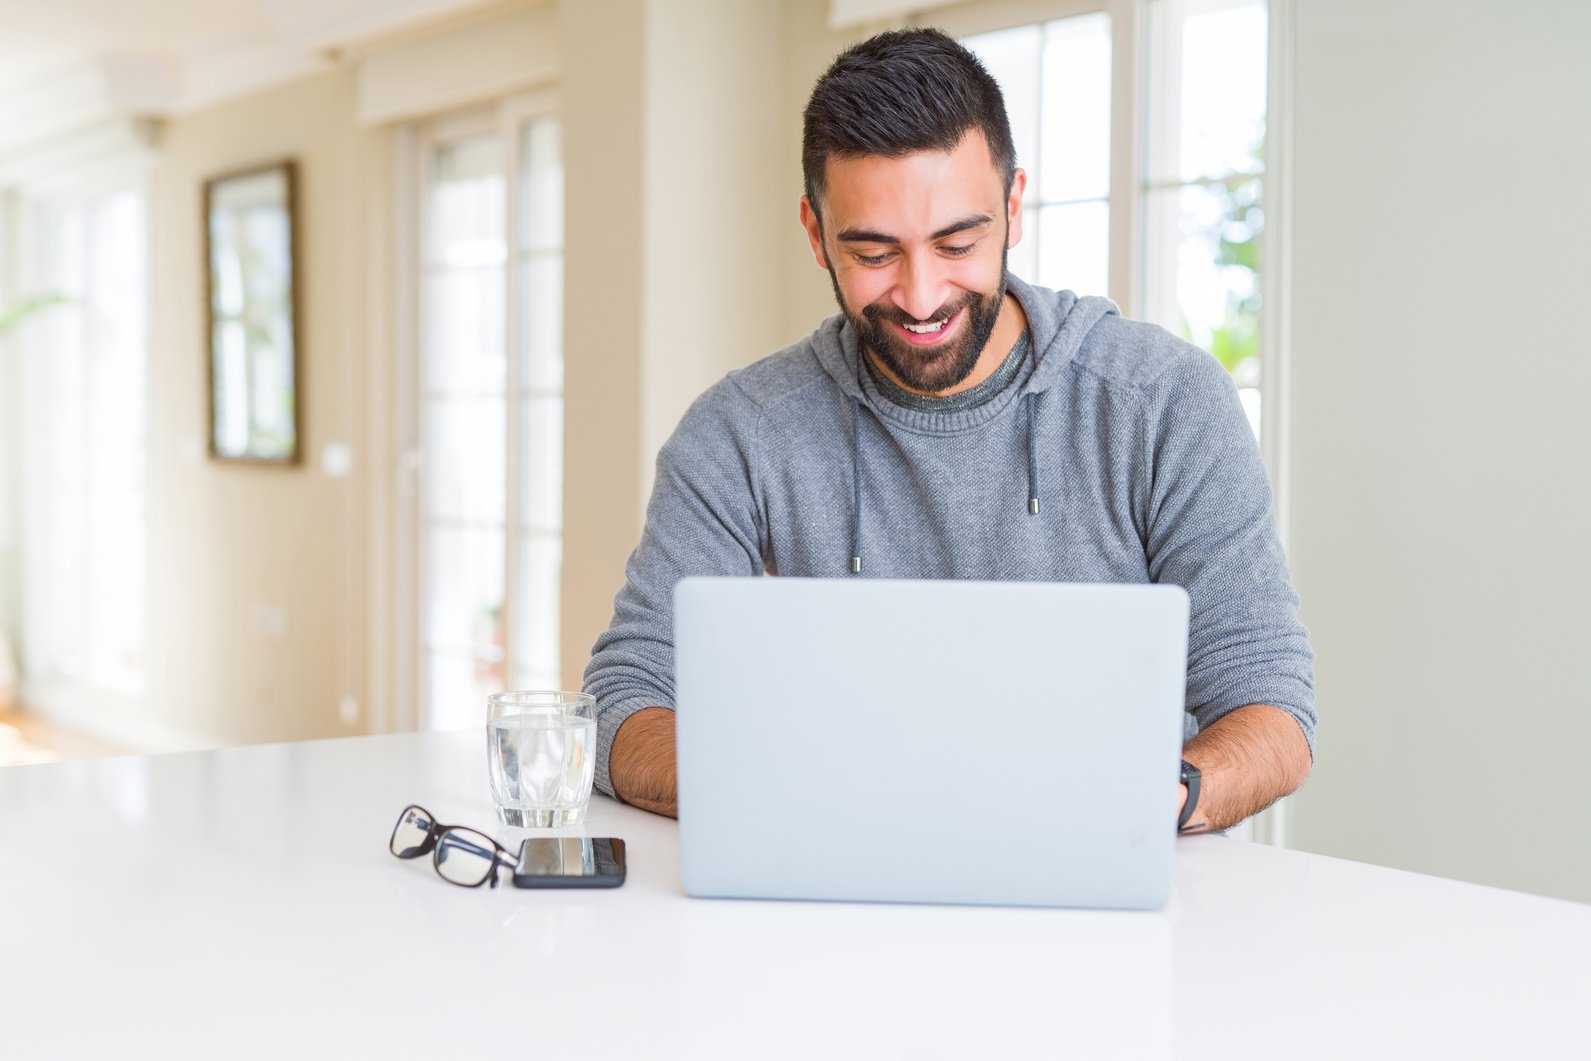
1013 208
814 227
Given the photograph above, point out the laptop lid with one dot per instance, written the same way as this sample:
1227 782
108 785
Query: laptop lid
929 741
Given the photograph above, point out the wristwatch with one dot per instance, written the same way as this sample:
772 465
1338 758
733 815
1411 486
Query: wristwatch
1190 777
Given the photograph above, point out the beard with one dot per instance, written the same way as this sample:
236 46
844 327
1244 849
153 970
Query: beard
929 369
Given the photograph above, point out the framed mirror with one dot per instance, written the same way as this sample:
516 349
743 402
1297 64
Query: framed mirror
251 242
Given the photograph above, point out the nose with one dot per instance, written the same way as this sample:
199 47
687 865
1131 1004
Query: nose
924 287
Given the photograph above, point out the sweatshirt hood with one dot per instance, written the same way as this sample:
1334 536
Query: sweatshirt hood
1058 323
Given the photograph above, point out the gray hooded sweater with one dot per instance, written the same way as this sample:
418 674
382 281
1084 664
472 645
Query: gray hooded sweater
1118 453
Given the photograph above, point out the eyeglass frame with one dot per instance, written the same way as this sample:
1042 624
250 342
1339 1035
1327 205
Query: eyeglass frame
500 854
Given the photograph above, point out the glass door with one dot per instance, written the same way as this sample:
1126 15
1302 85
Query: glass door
489 409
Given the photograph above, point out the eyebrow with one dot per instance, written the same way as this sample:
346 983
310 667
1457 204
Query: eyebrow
863 235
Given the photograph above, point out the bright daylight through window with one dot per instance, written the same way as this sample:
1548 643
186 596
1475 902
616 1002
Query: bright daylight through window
85 364
1202 181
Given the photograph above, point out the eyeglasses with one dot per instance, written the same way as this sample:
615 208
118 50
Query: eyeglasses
461 856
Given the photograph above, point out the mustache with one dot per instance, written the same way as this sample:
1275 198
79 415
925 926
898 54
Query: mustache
876 312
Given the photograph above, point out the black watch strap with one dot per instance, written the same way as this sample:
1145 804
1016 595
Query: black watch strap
1189 777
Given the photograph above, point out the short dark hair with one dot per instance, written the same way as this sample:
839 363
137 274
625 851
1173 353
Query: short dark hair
898 93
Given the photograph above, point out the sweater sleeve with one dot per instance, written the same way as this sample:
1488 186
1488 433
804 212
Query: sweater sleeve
1210 529
702 519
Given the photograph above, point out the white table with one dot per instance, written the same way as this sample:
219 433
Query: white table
242 903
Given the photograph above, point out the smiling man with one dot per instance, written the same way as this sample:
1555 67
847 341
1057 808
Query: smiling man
955 422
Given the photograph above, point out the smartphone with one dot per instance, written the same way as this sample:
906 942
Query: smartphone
570 862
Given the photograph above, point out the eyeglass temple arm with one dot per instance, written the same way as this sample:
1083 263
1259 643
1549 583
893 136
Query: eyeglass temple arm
497 854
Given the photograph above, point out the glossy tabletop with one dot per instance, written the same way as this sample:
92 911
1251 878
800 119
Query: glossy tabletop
242 903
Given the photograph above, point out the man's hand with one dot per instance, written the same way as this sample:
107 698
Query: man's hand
641 762
1247 760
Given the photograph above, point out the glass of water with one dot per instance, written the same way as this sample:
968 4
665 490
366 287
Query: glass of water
541 751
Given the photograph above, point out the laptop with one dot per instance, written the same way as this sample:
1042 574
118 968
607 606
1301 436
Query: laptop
1010 743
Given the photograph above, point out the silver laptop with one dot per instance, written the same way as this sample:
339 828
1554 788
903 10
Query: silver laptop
938 741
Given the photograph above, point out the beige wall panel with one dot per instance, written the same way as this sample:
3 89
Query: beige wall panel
712 223
809 46
258 578
602 95
671 111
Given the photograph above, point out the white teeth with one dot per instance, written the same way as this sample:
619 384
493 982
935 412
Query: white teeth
924 329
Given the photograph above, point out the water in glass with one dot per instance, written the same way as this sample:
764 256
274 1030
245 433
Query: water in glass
542 766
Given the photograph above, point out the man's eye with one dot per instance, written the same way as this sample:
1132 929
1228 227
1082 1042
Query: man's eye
874 259
957 252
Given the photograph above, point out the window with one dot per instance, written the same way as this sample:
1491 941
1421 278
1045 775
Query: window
83 430
1056 80
1204 192
1199 165
489 410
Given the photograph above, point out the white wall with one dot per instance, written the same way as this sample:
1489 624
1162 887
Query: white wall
1441 513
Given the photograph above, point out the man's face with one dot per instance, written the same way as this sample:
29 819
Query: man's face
916 249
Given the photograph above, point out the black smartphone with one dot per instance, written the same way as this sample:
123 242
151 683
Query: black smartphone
570 862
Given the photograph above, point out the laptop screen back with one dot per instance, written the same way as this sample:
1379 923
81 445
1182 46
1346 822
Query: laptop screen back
935 741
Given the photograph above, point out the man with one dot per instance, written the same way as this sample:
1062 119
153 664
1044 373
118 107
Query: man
954 422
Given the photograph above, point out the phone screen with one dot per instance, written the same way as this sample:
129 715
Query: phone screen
570 862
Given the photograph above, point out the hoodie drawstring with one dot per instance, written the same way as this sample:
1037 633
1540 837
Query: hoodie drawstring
856 485
1033 457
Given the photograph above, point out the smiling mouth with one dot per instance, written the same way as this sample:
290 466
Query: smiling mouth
926 334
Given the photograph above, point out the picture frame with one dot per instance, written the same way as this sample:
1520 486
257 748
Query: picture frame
252 348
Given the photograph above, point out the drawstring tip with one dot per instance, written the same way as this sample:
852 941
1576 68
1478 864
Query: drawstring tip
1033 506
856 565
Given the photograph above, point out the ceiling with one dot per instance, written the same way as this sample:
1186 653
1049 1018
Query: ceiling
38 36
66 63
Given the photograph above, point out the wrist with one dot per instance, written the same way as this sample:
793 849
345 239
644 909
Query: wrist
1189 778
641 761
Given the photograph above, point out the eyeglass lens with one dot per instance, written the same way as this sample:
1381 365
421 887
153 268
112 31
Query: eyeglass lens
464 856
410 834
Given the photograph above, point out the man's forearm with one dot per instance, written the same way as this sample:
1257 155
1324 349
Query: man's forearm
641 762
1247 760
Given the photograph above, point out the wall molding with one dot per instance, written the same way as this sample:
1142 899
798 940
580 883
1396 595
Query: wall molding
482 60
